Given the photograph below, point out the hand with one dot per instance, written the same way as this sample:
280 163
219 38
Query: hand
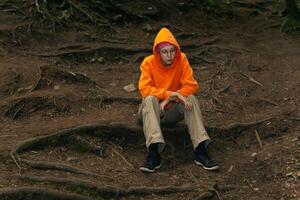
163 104
188 105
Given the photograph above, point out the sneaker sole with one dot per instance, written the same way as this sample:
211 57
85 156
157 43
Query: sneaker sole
207 168
144 169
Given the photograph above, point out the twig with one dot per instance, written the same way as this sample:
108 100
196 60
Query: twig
251 186
37 6
224 89
252 79
258 139
217 193
84 145
217 100
244 124
295 118
2 136
268 101
194 179
121 156
16 162
84 12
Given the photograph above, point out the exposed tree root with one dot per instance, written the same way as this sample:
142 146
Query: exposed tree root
27 105
49 74
261 6
238 127
118 130
44 165
59 138
204 196
24 106
132 100
136 8
100 49
14 84
110 189
38 193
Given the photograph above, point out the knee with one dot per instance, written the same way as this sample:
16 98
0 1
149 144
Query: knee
192 99
151 99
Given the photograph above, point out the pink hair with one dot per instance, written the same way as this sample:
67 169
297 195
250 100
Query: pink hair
162 45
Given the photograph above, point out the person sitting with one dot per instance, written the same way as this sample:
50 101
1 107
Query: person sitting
167 86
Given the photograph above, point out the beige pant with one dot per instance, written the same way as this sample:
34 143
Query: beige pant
149 115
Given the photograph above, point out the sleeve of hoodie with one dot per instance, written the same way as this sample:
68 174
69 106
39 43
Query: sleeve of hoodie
146 85
188 82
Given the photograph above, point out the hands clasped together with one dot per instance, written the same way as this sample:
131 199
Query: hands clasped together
188 105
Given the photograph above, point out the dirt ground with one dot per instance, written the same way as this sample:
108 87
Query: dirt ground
249 74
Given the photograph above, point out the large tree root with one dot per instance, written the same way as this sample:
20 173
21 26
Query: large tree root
63 137
131 100
27 105
38 193
110 189
114 131
204 196
241 126
44 165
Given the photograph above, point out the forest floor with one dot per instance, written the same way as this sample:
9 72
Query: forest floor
63 94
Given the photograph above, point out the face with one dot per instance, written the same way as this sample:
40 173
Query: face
167 54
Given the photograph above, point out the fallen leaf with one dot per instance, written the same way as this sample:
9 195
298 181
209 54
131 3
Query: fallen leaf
129 88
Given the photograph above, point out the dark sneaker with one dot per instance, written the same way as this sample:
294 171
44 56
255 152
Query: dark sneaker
202 158
152 161
206 162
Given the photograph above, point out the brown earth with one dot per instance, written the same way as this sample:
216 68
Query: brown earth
248 71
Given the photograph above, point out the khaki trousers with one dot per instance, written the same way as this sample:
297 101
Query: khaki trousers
149 114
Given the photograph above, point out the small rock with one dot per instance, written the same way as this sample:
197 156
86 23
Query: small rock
100 59
298 174
129 88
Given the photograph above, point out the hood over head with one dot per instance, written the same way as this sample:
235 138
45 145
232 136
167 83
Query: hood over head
163 36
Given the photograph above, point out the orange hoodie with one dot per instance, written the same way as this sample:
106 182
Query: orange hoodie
158 80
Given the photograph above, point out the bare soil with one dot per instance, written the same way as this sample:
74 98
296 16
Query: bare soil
248 71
